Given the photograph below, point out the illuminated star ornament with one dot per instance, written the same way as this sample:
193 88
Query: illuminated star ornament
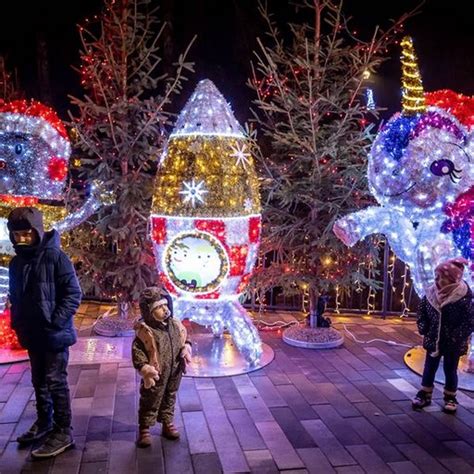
241 157
193 192
205 219
420 171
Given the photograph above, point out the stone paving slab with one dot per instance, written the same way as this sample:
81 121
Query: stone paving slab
344 410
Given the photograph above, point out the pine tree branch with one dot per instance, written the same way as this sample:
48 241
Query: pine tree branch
170 89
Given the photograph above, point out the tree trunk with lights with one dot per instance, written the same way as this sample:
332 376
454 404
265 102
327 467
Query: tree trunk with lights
120 126
317 132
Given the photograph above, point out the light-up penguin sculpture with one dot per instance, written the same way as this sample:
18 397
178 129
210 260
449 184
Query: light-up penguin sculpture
205 221
34 158
421 172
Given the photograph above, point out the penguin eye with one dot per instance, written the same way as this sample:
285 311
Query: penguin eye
18 148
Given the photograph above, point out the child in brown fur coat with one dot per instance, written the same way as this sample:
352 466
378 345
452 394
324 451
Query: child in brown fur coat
160 352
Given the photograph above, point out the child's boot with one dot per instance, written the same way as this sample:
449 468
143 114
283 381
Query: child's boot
144 438
169 431
450 402
422 399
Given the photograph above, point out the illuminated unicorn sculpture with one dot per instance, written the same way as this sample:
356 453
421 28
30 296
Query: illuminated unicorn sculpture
421 172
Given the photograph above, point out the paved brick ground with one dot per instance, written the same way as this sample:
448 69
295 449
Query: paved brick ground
345 410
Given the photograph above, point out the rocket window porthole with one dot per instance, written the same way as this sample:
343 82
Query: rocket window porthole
196 262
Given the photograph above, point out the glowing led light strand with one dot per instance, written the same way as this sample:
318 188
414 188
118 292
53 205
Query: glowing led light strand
337 303
405 285
371 291
370 101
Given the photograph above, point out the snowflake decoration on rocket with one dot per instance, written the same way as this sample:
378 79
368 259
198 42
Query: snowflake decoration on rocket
193 192
248 204
241 157
195 147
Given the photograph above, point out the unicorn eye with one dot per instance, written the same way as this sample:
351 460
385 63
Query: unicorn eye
18 148
445 168
442 167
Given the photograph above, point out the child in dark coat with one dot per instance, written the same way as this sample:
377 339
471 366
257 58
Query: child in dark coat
44 296
160 352
445 319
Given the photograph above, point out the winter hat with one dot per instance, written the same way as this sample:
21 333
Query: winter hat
150 298
452 269
25 218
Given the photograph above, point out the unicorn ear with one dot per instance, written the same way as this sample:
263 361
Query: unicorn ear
413 97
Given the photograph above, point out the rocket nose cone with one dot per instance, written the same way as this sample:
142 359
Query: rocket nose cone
205 84
207 113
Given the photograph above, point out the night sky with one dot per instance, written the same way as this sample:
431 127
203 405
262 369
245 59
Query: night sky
443 34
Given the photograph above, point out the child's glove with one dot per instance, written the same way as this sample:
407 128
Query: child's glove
187 353
150 375
185 357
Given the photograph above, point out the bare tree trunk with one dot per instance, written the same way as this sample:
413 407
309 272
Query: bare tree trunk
167 10
4 80
43 69
9 85
313 307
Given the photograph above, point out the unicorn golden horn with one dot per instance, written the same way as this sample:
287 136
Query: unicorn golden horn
413 98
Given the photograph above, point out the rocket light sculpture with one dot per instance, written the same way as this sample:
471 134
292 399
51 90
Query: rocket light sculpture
421 172
205 219
34 159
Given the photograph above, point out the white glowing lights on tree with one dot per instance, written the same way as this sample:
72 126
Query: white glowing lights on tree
205 222
421 173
